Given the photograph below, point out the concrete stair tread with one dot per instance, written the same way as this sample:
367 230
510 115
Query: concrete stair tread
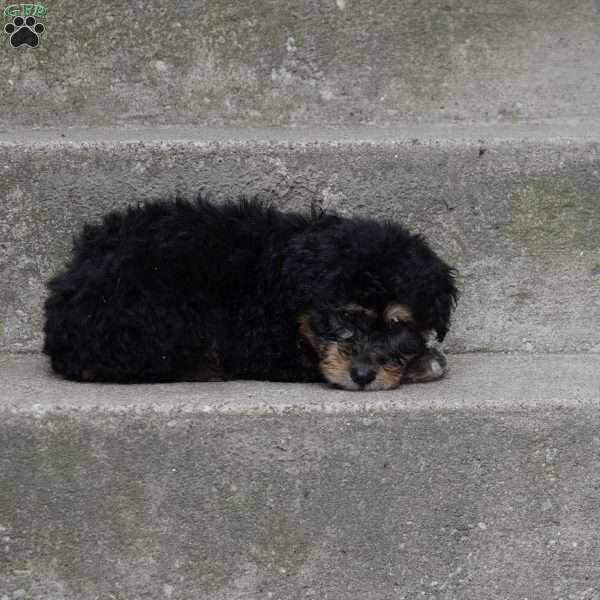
483 485
476 381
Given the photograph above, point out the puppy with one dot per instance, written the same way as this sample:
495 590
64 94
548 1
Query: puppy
183 291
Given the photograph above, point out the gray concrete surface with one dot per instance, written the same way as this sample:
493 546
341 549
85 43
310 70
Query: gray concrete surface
280 62
483 485
516 208
476 381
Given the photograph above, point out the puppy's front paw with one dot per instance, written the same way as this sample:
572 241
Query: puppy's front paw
427 367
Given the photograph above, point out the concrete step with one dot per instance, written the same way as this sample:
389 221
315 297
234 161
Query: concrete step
268 62
516 208
482 485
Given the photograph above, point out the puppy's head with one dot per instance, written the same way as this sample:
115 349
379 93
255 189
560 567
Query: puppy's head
360 348
372 264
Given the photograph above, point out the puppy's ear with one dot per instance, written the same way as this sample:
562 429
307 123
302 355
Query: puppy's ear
443 304
437 294
441 317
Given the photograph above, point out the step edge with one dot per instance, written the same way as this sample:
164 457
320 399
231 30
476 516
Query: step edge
476 383
560 132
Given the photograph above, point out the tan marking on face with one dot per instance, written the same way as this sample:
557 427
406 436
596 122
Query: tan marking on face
398 312
306 331
358 308
335 367
391 375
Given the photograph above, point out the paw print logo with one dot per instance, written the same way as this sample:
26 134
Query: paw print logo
24 32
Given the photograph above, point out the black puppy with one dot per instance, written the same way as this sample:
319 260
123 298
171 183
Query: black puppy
181 290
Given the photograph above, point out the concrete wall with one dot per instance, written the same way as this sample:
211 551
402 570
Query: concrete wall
280 62
520 218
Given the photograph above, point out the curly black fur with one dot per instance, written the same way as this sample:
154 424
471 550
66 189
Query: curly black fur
195 290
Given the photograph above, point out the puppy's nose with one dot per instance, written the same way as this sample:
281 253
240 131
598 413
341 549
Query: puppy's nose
362 375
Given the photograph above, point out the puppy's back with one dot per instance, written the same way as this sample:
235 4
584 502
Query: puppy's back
152 287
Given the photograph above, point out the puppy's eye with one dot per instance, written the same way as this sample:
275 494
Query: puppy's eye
346 334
